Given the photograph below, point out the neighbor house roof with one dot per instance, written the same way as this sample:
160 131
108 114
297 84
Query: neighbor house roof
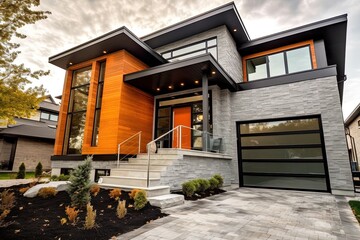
121 38
353 115
30 128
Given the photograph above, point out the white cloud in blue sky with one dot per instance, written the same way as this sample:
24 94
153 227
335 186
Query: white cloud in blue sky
74 22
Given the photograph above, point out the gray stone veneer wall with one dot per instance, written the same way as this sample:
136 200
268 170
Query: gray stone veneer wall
228 56
317 96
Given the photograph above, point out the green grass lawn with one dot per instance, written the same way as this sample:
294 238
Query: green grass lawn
355 206
11 175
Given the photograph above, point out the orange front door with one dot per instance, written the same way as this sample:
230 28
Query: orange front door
182 116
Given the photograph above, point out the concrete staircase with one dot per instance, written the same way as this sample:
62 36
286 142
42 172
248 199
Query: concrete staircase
133 174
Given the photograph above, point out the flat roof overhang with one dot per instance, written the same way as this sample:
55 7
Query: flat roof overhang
332 31
181 75
223 15
121 38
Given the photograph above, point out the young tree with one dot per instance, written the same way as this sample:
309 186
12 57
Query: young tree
38 170
15 98
21 172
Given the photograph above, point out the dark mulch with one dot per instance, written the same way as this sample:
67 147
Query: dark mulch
197 196
40 218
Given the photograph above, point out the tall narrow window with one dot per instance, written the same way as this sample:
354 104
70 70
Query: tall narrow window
75 124
95 134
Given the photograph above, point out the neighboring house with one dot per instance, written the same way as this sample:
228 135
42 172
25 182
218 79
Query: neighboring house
272 105
30 140
352 124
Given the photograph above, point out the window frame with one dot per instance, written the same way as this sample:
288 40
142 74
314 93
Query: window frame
49 116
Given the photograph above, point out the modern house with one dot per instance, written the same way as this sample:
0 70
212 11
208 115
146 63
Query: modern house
200 97
352 125
30 140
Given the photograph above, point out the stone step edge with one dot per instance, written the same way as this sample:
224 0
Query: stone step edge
134 170
132 178
134 187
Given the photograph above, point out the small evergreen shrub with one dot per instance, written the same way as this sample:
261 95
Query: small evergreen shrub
214 183
94 189
220 180
54 178
203 185
72 214
115 193
21 172
79 188
63 177
47 192
189 188
121 209
133 193
140 200
38 170
90 217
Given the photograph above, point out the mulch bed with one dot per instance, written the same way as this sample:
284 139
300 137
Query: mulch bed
40 218
197 196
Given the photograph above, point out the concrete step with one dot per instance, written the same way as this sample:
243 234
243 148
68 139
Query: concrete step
124 172
151 191
152 161
130 181
143 166
166 201
157 156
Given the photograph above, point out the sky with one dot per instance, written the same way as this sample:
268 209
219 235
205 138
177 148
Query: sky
74 22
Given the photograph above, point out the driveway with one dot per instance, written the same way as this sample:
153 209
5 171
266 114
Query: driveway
256 214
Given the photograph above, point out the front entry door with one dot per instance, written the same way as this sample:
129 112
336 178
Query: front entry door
182 116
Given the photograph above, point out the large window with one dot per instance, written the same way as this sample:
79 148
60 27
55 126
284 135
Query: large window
95 134
290 61
195 49
75 124
283 154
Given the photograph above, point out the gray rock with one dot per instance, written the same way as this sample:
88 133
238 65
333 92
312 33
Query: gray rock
59 186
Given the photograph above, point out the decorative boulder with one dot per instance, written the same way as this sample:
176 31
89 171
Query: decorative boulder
59 186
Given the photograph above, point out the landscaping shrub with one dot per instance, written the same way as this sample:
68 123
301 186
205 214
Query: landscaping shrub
21 172
7 200
72 214
189 188
23 190
214 183
121 209
47 192
355 206
203 185
54 178
94 189
2 218
32 184
115 193
133 193
140 200
90 217
38 170
220 179
63 177
79 188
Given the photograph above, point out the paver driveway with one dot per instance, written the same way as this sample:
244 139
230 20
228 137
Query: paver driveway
256 214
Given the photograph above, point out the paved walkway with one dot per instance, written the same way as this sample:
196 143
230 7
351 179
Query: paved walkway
256 214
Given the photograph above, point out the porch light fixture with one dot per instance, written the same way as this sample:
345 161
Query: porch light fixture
157 89
196 81
235 29
104 52
182 84
170 87
70 63
213 72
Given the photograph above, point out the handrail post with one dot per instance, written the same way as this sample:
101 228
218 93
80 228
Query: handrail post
118 156
139 142
148 167
180 126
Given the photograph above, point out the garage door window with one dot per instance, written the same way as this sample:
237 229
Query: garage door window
285 153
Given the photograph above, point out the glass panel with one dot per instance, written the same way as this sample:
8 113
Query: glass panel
211 42
197 107
256 68
53 117
197 118
295 139
167 55
279 167
276 64
286 182
191 55
280 126
188 49
81 77
76 133
180 100
197 142
197 127
99 95
164 112
164 123
299 59
213 52
44 115
102 72
80 96
286 153
67 130
95 137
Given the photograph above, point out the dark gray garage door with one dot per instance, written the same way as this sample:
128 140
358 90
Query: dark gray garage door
283 153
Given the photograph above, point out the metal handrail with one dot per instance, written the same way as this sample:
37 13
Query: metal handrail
125 141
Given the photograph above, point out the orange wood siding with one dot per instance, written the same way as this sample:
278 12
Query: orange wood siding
281 49
125 110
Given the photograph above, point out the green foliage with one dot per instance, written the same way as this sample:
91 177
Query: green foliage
355 206
21 172
63 177
79 188
140 200
214 183
54 178
220 179
203 185
16 99
188 188
38 170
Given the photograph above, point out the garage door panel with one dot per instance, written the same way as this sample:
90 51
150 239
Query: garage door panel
285 153
294 139
282 167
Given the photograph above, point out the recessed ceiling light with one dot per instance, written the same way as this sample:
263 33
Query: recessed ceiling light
70 63
182 84
235 29
158 89
196 81
213 72
104 52
170 87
